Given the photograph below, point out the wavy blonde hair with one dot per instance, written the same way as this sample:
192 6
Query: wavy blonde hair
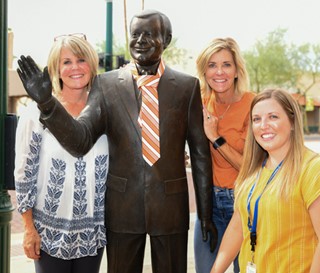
254 154
241 82
81 49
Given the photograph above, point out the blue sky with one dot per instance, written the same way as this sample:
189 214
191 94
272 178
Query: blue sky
195 23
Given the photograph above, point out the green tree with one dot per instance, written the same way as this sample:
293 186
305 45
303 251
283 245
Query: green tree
117 47
269 62
174 55
272 62
306 59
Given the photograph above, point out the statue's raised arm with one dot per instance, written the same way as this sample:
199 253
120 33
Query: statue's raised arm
36 82
72 135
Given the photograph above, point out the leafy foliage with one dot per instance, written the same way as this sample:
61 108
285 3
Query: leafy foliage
269 62
272 62
174 55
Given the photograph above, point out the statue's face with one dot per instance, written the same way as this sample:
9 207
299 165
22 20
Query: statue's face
146 41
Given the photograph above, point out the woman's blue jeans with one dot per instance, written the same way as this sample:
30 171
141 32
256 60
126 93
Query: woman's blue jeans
223 201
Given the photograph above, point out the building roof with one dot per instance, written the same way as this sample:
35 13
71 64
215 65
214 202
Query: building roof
302 99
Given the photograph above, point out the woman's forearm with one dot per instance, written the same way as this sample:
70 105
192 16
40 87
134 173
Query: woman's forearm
315 266
230 245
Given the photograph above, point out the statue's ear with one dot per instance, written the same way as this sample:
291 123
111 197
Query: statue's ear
167 41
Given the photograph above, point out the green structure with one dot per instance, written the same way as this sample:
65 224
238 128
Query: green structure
6 207
108 56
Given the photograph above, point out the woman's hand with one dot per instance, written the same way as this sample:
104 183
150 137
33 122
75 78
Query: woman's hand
31 243
210 125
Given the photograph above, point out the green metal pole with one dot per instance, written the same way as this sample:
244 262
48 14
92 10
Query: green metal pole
6 207
109 35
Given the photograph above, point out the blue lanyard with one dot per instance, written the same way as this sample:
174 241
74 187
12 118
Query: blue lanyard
253 226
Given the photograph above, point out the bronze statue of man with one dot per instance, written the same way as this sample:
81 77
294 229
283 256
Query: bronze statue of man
141 199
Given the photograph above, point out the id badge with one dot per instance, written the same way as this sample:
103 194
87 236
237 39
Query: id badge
251 268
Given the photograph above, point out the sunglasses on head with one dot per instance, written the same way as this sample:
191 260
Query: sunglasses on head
79 35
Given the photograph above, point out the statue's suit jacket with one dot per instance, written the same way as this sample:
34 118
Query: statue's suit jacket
140 198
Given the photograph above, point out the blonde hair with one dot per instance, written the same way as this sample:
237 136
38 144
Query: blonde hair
241 82
80 48
254 154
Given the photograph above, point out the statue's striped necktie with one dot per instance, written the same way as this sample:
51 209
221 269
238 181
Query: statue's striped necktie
149 115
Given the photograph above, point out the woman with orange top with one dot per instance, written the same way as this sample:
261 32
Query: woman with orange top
226 103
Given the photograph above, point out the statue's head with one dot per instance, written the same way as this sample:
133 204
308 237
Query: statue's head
150 35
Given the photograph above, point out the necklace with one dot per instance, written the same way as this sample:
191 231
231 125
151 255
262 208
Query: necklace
220 117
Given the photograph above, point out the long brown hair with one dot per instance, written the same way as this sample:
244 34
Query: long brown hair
254 154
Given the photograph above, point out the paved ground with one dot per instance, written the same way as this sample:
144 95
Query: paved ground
21 264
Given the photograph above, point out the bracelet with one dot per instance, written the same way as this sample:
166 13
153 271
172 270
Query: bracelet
218 142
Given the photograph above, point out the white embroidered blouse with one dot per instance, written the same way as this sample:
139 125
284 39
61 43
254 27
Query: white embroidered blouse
66 193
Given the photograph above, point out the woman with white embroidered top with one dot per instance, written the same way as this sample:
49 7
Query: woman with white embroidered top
61 197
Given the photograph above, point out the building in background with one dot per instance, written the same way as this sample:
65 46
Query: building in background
18 97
